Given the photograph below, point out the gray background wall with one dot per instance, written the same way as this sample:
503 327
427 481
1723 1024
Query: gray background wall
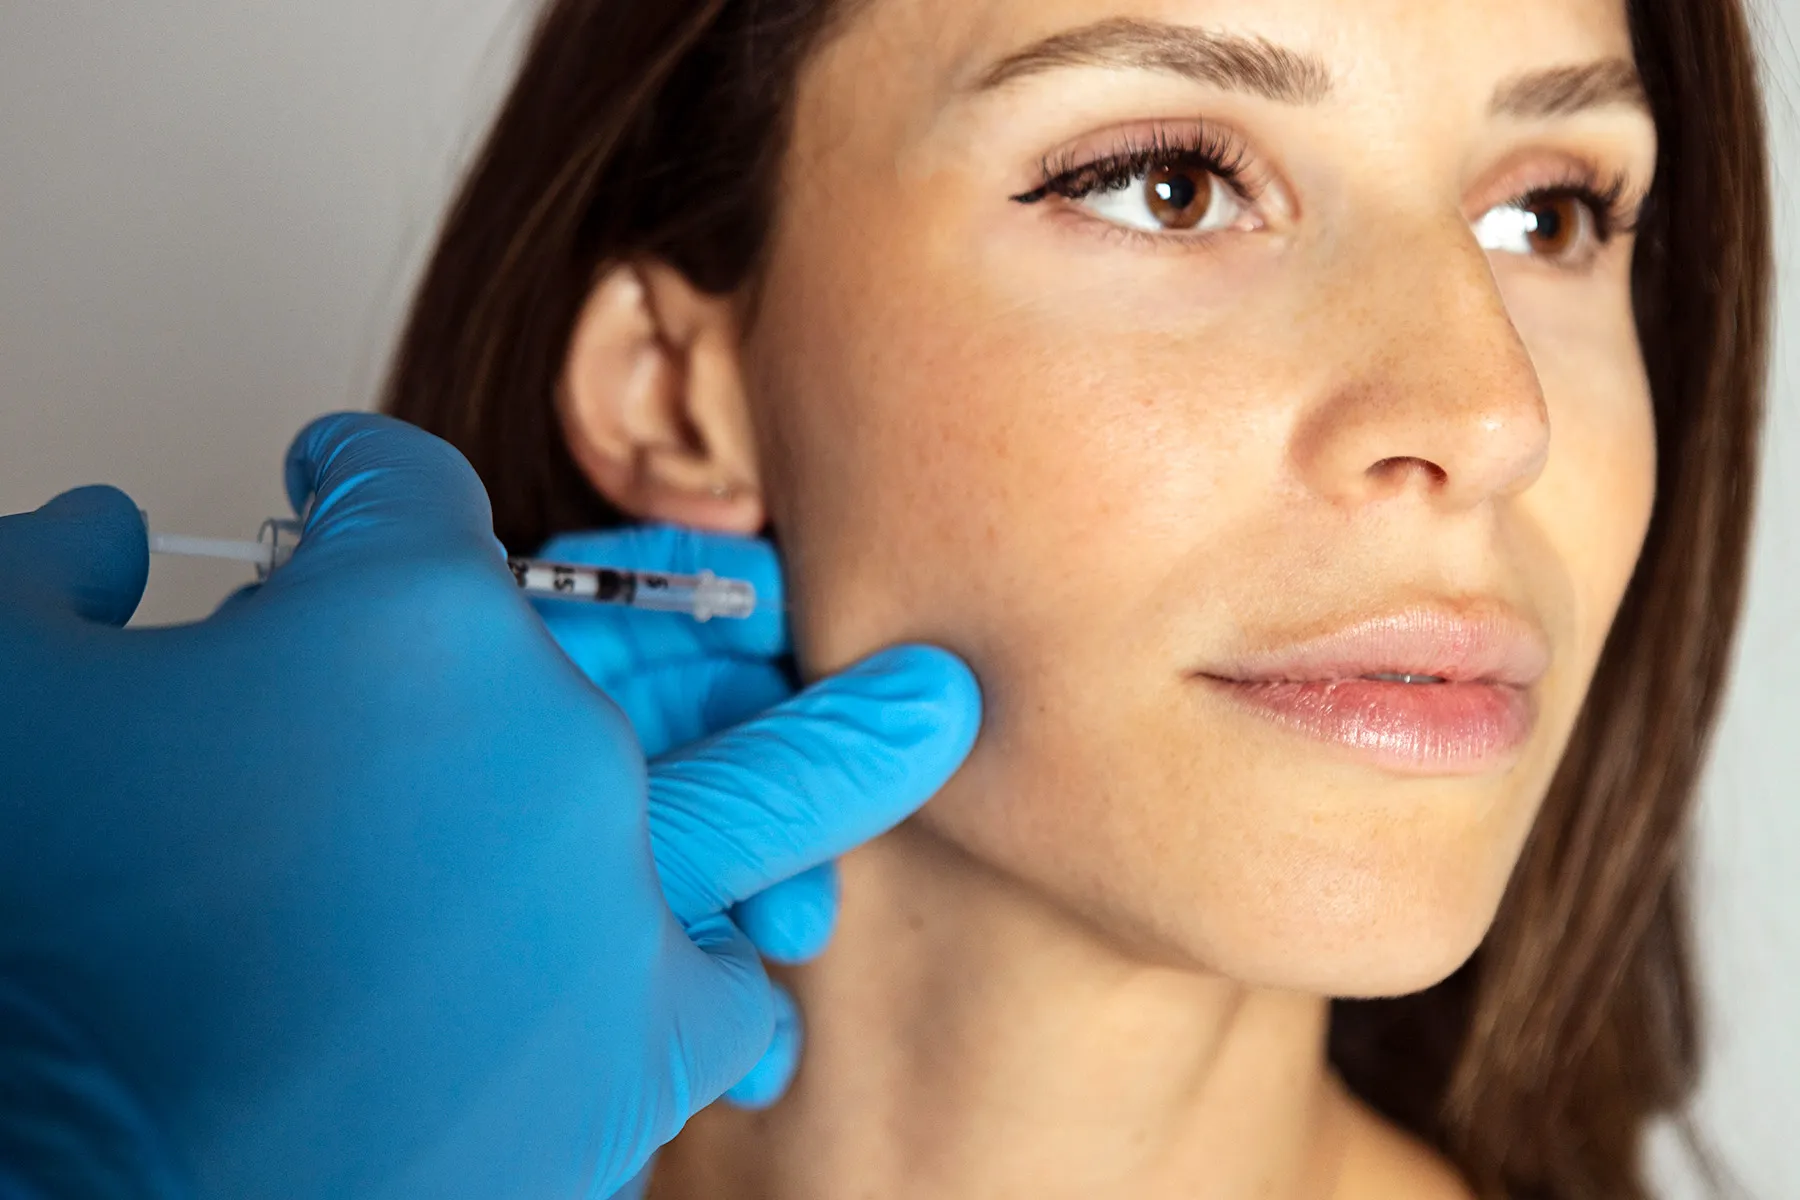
211 212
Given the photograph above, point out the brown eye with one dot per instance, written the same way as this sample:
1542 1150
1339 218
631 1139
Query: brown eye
1557 225
1178 196
1560 228
1171 197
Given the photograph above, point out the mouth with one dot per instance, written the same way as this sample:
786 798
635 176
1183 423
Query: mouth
1428 690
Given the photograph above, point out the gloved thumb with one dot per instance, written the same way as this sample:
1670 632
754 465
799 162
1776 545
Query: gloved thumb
84 552
381 488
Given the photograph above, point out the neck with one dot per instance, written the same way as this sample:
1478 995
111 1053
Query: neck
966 1039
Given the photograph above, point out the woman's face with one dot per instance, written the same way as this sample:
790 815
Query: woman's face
1129 349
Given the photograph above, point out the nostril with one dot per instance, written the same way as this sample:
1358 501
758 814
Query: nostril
1400 466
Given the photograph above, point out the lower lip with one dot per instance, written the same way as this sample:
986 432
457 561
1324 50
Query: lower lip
1417 728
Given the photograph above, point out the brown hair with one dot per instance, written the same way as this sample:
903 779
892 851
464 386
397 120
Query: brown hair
656 127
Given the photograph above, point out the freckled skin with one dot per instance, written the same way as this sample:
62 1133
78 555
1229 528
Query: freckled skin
1093 467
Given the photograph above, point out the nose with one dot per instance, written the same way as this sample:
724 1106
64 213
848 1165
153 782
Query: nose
1435 394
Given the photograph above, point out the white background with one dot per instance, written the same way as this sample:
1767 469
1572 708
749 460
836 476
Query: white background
212 211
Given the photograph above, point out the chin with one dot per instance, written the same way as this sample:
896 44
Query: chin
1337 930
1292 901
1395 961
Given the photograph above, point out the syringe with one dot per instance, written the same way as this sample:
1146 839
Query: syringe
702 596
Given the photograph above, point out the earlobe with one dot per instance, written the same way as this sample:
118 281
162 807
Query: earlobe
652 401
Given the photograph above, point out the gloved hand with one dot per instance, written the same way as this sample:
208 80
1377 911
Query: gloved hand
359 888
679 681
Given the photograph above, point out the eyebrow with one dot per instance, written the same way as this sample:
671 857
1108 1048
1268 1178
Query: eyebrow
1561 91
1263 68
1243 64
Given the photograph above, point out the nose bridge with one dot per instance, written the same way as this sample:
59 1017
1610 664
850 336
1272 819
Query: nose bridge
1436 390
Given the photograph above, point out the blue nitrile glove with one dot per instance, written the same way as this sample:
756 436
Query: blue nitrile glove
360 888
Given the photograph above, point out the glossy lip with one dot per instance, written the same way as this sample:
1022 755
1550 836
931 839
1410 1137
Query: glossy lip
1475 720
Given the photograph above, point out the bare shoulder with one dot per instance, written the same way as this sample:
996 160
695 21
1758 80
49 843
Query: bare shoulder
1383 1162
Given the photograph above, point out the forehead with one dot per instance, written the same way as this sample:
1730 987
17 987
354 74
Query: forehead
915 58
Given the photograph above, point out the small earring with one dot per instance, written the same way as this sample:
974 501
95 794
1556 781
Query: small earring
722 491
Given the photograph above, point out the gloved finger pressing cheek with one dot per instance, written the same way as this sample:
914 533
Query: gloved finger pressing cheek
609 642
86 552
845 760
791 921
768 1080
681 703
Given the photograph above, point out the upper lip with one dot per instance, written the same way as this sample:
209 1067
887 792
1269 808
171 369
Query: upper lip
1480 643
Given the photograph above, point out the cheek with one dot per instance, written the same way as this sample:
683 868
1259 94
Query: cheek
1006 483
1591 507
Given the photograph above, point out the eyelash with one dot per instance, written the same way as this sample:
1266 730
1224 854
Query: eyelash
1614 212
1217 153
1205 149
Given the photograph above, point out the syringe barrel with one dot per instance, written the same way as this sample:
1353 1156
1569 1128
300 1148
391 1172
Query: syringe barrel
701 596
571 581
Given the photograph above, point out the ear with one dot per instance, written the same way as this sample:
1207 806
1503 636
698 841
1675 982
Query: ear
652 401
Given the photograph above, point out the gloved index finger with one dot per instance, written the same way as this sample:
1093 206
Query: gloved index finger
847 759
378 484
608 641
